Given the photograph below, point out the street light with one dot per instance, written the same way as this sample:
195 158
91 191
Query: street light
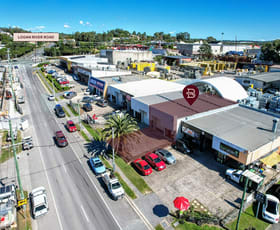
113 129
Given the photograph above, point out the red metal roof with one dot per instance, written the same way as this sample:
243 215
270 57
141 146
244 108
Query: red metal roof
181 108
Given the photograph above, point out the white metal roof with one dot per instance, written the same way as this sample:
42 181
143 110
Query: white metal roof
227 88
148 87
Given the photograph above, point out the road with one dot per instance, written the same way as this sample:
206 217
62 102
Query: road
74 200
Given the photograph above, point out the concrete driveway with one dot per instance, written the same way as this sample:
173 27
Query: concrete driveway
197 177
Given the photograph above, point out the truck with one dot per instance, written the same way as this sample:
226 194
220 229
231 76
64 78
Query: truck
255 180
39 202
113 185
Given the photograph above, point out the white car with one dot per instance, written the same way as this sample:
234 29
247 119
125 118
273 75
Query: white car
270 210
96 97
39 202
51 98
118 113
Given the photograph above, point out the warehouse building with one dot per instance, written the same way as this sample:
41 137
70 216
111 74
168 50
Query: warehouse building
239 133
121 94
260 81
125 57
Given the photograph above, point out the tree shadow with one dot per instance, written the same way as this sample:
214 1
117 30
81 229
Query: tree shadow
161 210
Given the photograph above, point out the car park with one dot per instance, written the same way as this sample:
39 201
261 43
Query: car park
270 211
59 111
154 160
182 146
143 167
166 156
97 165
102 103
71 127
51 98
60 139
87 107
87 99
39 202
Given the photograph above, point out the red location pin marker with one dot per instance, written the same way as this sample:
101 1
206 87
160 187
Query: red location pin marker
190 93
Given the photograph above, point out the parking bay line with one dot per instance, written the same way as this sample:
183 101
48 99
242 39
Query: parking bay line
83 210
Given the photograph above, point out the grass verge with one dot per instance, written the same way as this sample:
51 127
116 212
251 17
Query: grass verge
66 112
7 153
126 188
159 227
23 217
191 226
48 88
133 176
72 110
92 132
248 220
84 136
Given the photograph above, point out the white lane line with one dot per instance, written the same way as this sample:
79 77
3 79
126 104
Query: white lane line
63 166
45 169
85 213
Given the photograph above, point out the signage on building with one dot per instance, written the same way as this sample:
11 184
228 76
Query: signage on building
226 147
189 132
96 83
36 37
128 98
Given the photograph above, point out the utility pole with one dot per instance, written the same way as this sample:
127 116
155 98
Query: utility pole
11 132
242 201
79 114
53 89
113 149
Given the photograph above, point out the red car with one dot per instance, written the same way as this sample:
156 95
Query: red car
154 160
71 126
143 167
60 139
64 82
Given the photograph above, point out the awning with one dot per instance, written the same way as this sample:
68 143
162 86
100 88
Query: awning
272 159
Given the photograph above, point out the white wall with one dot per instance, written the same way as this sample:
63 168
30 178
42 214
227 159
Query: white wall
179 134
137 106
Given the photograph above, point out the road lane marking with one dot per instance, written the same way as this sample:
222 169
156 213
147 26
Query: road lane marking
45 169
63 166
85 213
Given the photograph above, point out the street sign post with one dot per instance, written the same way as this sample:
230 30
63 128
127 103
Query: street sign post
261 198
22 202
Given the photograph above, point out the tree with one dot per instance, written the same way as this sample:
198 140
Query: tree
205 50
184 36
271 51
211 39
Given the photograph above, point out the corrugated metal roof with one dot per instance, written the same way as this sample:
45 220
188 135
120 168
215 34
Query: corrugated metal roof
181 108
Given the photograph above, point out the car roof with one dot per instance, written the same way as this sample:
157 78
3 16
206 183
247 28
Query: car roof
57 105
152 155
59 133
141 162
70 122
39 199
95 159
271 197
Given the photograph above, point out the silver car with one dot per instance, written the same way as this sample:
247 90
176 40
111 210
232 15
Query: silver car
166 156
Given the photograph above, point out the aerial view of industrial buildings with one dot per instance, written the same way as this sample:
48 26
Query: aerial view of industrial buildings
138 130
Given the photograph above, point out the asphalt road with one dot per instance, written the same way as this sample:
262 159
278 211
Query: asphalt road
74 200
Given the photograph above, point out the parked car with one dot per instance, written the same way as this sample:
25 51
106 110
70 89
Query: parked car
166 156
118 113
59 111
60 139
76 78
51 98
63 82
143 167
39 202
102 103
20 99
87 107
87 92
51 71
96 97
154 160
27 143
182 147
69 95
97 165
71 126
274 190
88 99
270 211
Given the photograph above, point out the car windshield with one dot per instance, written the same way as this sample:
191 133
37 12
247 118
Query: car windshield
98 164
61 138
146 167
271 207
157 160
168 154
40 208
71 125
116 185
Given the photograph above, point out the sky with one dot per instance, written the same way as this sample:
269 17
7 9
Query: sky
243 19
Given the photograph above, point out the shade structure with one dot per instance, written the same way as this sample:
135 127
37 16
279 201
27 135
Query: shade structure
181 203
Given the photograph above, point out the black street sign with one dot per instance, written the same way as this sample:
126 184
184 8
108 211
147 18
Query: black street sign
260 197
